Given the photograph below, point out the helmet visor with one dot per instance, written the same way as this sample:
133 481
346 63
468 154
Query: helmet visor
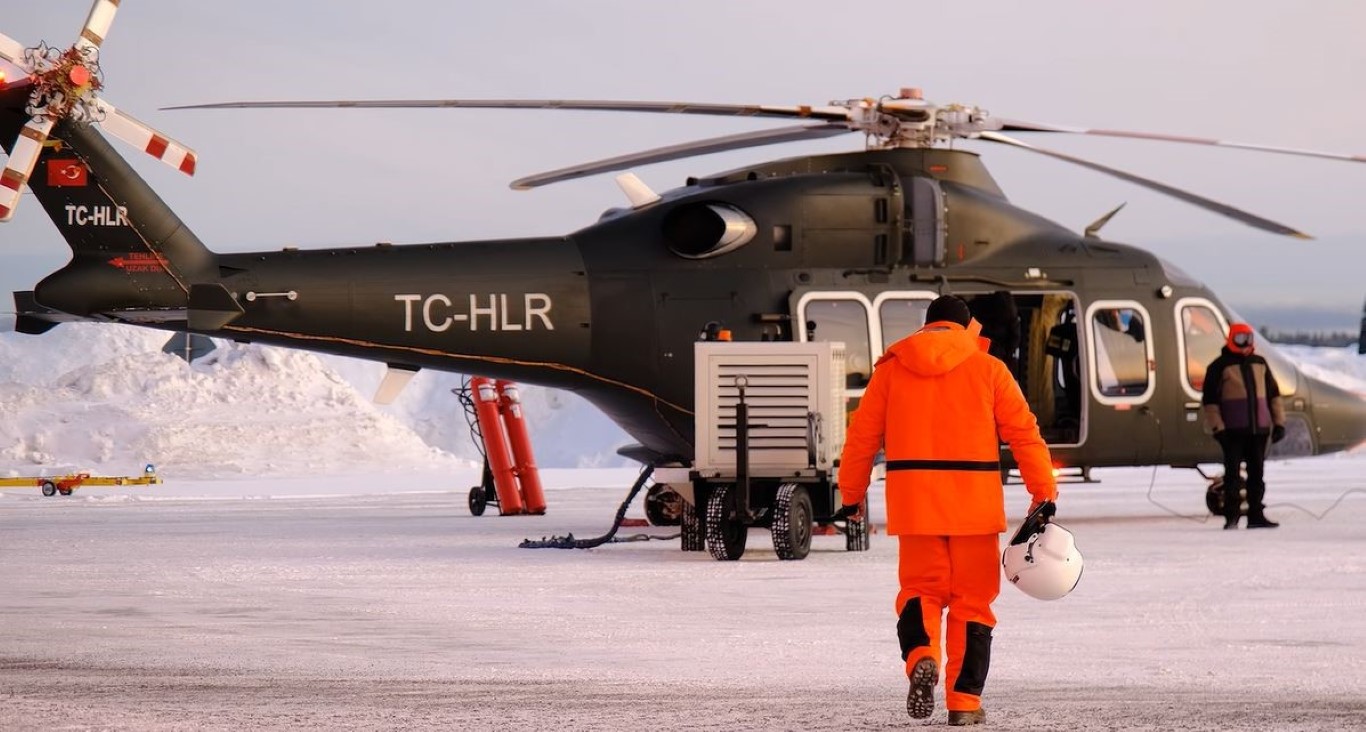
1242 339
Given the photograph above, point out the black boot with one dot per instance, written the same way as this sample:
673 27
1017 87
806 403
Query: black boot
1256 519
1233 503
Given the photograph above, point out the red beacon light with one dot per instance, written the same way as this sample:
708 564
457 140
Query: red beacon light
79 75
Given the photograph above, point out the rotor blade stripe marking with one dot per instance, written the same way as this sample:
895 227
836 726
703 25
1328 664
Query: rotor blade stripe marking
5 212
98 22
187 165
13 179
33 134
156 147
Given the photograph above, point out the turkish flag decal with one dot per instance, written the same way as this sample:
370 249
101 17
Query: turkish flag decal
66 172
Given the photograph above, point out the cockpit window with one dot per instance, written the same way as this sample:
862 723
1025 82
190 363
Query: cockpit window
1204 334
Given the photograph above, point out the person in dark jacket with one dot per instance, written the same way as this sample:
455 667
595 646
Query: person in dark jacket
1242 407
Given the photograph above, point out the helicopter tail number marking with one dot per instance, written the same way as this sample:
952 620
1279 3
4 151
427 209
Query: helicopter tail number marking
494 312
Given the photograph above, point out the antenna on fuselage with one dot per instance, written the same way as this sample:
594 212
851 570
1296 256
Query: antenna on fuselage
1093 231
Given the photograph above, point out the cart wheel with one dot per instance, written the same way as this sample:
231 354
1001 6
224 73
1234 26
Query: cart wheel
49 489
478 500
726 533
663 506
694 537
791 527
1214 497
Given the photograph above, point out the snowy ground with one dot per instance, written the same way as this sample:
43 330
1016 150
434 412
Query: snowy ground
379 602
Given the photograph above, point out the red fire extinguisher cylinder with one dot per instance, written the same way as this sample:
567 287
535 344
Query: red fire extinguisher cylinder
496 448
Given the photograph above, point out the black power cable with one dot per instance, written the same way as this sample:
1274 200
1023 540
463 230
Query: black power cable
1206 517
569 542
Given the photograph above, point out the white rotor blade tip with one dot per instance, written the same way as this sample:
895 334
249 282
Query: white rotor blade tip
139 135
97 23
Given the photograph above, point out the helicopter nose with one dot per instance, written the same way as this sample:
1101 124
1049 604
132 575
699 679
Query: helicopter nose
1339 415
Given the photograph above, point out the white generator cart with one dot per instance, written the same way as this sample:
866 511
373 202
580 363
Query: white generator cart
769 429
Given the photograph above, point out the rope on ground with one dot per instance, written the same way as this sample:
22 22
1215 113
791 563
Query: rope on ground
569 542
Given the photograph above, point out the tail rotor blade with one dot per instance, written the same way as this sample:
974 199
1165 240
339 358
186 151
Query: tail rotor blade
12 51
139 135
1224 209
684 150
97 24
22 160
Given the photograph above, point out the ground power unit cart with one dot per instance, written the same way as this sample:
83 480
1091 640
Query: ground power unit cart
770 425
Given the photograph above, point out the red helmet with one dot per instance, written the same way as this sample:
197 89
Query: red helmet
1240 338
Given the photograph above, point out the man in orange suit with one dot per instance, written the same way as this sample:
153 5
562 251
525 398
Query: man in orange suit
940 405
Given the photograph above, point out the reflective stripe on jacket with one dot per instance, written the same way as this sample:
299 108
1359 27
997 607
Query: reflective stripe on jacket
937 402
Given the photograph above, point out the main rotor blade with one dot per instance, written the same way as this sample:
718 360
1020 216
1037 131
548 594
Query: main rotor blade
590 105
683 150
1010 125
141 136
97 24
27 147
1205 203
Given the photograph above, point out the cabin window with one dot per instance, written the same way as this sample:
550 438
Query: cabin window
900 317
844 320
1202 331
1121 351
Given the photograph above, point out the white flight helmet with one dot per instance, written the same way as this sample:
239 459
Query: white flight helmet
1042 560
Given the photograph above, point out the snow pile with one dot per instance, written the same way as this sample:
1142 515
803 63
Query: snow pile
105 398
242 410
1341 367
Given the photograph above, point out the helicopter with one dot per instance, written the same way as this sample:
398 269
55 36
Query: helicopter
1107 341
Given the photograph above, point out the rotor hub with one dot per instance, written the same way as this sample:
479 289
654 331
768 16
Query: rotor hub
64 83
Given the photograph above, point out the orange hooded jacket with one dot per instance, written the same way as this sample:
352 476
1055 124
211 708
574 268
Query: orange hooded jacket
937 402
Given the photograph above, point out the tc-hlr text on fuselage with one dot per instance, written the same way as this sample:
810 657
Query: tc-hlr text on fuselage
494 311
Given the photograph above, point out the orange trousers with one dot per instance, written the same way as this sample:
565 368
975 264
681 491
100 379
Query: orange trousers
960 574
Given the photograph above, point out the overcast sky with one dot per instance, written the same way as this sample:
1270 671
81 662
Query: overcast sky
1270 72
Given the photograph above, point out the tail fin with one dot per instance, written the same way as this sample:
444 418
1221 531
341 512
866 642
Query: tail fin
132 257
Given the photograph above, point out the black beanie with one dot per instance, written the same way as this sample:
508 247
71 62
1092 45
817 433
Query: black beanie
950 308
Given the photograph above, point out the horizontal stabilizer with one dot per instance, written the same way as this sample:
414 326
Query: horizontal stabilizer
33 319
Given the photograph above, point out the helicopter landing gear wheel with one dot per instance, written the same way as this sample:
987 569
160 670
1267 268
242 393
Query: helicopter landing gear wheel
693 533
663 506
1214 497
479 500
791 527
726 532
49 489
